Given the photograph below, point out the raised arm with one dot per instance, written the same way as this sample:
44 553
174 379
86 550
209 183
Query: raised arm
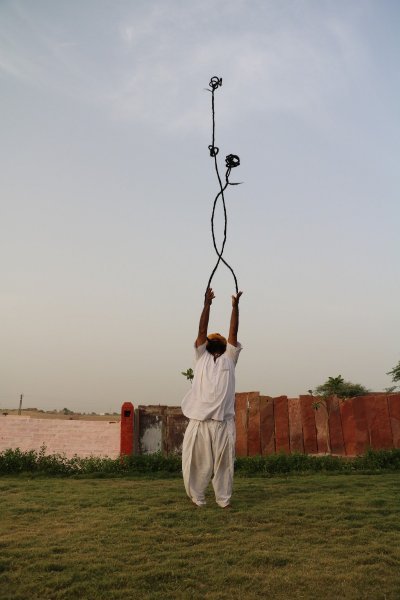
205 315
234 325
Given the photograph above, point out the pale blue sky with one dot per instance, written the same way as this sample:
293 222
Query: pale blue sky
107 189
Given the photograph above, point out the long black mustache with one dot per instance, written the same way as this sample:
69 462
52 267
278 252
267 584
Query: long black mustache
215 347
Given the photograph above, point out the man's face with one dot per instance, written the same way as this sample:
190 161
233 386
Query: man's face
215 347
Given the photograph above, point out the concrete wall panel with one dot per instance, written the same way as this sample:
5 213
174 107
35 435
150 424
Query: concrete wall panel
241 424
380 429
308 421
267 427
253 427
295 426
361 433
394 412
335 427
348 427
281 415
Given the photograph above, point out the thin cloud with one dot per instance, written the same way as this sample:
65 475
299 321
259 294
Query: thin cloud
284 71
160 57
38 54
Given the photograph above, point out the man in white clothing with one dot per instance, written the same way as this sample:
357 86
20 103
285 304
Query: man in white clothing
209 442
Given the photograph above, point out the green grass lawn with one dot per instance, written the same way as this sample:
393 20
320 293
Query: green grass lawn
302 536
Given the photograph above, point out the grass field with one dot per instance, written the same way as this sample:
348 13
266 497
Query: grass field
302 536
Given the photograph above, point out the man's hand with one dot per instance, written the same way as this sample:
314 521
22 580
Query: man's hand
235 299
208 297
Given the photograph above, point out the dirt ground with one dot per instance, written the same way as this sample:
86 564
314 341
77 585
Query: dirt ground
40 414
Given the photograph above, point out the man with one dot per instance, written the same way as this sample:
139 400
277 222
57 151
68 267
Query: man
209 442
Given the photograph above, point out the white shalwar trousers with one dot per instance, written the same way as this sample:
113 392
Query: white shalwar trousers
209 451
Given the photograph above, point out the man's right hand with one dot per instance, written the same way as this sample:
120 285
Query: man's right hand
208 297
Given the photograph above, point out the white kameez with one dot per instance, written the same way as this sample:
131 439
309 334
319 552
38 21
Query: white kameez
212 393
209 444
209 448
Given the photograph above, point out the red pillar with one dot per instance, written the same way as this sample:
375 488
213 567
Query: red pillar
241 420
127 414
309 427
295 426
394 411
281 416
253 426
379 425
335 427
267 425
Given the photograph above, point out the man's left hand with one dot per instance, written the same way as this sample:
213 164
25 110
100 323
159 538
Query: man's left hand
235 299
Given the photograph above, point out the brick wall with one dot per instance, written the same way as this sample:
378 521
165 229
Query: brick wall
266 425
69 437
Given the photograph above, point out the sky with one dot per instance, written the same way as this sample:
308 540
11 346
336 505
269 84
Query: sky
107 189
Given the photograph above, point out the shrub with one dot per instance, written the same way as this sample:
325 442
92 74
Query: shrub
372 460
16 461
380 459
288 463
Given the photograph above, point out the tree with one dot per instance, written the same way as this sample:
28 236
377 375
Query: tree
334 387
188 374
337 386
390 389
395 373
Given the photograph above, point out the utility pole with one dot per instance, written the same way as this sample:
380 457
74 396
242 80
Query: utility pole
20 403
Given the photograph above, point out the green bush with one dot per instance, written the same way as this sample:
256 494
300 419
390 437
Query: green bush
16 461
289 463
281 463
153 463
380 459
